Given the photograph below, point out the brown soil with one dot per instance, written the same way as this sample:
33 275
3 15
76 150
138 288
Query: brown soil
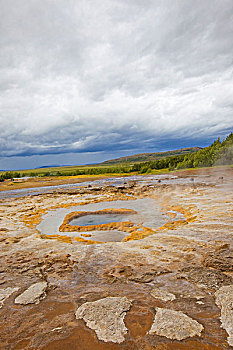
46 181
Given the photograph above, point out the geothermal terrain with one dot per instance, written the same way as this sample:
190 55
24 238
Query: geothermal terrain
131 263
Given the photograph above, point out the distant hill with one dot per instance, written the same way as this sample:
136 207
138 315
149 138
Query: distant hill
52 166
147 157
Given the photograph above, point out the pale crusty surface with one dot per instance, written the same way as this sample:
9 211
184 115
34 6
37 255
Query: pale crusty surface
174 325
224 300
33 294
106 317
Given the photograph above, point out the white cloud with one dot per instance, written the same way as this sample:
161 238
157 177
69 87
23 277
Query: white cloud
101 75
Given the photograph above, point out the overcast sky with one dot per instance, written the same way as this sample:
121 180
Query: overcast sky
87 80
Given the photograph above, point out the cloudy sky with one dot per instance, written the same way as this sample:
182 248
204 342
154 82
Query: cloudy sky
86 80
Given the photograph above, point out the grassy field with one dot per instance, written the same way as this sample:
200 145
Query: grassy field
62 169
67 170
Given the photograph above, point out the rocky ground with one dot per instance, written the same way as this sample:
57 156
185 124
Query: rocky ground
169 288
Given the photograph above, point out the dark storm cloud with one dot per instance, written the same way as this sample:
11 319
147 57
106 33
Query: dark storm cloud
104 75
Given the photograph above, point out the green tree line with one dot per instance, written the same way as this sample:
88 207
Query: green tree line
219 153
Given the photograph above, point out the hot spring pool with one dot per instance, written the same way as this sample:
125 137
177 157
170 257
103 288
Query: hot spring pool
98 219
148 214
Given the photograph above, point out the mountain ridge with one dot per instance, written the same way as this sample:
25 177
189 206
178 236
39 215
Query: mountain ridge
147 157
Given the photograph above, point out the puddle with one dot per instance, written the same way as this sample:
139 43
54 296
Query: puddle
107 236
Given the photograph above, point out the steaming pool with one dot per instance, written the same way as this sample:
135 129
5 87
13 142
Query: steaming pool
148 215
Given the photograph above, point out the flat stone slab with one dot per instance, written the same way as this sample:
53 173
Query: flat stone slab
106 317
224 300
5 293
174 325
162 294
33 294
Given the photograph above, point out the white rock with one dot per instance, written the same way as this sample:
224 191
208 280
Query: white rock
33 294
224 300
5 293
174 325
106 316
162 294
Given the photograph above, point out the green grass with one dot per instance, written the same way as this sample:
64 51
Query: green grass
62 169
